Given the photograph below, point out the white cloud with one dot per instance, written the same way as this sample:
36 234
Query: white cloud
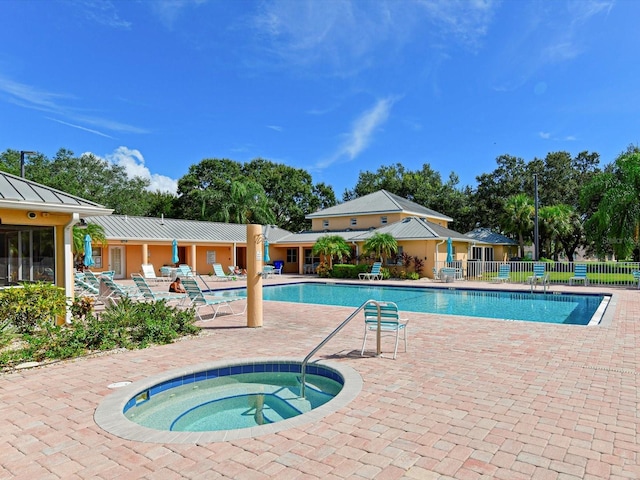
101 11
168 11
33 98
545 135
362 132
277 128
133 163
345 35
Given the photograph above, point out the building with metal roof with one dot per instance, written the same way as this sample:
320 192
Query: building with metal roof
36 231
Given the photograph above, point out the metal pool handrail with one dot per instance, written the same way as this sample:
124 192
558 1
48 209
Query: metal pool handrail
303 367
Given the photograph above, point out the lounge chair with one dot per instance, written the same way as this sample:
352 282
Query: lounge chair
636 276
232 272
390 322
579 275
82 288
504 273
149 274
199 299
110 292
184 270
219 272
149 294
436 275
374 274
540 276
167 273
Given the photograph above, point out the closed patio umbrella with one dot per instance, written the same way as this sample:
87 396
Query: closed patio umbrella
88 252
449 250
174 255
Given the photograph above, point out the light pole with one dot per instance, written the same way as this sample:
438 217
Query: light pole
22 154
536 253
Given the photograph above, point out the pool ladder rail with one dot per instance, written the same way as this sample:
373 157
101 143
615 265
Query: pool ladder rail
303 367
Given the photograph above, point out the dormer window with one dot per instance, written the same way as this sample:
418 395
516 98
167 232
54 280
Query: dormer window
354 222
325 224
383 220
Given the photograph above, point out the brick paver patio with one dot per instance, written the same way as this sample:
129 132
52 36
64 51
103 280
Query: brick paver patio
471 399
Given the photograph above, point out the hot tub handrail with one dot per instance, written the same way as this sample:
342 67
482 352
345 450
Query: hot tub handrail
303 367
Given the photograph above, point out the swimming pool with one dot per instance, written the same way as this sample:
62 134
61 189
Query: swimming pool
503 305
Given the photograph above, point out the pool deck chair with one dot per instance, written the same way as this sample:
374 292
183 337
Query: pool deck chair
636 277
149 274
232 272
540 276
82 288
504 273
219 272
374 274
111 292
150 295
199 299
579 275
390 323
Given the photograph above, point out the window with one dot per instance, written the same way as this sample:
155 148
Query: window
97 257
292 255
325 224
26 254
383 220
354 222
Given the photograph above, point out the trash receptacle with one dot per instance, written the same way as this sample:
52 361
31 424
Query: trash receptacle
278 264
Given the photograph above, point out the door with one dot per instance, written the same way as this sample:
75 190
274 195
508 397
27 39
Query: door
116 262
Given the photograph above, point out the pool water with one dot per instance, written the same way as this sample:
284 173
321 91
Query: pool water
504 305
230 401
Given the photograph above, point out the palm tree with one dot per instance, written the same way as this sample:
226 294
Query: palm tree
518 217
330 246
97 236
248 204
555 221
616 221
382 245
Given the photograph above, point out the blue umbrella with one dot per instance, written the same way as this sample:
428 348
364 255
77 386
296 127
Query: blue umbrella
88 252
266 251
449 250
175 258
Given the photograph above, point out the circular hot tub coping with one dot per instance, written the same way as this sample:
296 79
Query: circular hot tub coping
110 413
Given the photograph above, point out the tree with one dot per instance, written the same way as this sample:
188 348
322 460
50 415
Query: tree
555 223
382 245
248 204
518 218
615 224
291 192
97 236
331 246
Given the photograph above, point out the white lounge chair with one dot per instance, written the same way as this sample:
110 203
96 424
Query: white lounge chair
199 299
374 274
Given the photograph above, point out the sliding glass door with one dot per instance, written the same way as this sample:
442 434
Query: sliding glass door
26 254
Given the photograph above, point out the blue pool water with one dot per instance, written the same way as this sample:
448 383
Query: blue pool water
505 305
232 398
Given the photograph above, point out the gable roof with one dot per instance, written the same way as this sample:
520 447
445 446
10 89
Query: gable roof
485 235
379 202
22 194
124 227
414 228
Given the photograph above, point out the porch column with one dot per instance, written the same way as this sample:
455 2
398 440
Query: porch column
145 253
192 257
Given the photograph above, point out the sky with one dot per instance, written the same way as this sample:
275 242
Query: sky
335 87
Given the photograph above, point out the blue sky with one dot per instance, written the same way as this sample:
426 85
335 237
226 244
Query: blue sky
333 86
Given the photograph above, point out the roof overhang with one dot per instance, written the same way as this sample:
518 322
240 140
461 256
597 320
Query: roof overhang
52 207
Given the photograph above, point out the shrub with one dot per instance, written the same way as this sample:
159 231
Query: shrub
32 306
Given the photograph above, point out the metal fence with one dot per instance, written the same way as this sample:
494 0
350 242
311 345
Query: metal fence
598 273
